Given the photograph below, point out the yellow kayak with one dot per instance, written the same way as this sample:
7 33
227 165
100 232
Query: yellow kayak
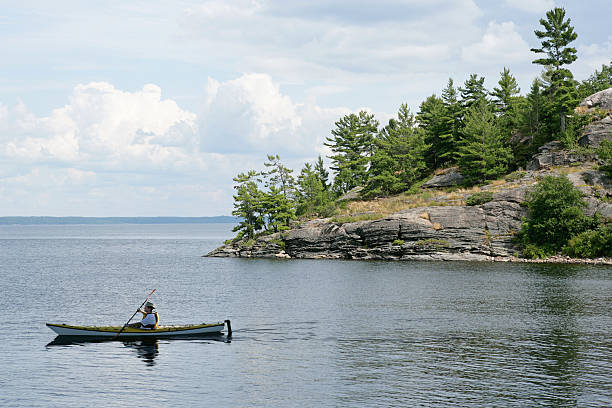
161 331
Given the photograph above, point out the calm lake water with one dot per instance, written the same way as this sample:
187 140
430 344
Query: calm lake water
307 333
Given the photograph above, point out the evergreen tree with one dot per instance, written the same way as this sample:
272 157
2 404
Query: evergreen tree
437 131
398 160
452 115
483 153
352 144
507 103
505 97
322 173
556 37
248 205
313 196
278 209
598 81
279 175
473 92
534 122
279 179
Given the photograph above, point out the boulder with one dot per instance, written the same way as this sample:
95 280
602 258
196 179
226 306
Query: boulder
594 133
450 177
352 194
552 154
600 100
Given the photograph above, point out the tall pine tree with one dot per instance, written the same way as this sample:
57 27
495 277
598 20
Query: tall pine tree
556 37
352 144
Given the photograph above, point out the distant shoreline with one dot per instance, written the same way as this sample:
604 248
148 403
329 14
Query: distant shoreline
44 220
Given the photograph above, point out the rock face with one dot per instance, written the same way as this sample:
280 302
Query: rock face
451 177
594 133
447 232
427 233
600 100
552 154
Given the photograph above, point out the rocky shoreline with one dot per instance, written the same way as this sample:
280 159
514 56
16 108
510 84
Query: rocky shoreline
445 229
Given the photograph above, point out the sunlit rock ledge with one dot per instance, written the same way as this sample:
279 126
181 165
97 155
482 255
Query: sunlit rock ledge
441 232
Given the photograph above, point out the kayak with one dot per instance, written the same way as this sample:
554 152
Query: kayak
161 331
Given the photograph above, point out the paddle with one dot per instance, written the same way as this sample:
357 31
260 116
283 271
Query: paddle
145 301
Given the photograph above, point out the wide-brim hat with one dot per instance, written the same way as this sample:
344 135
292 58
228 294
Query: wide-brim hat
150 304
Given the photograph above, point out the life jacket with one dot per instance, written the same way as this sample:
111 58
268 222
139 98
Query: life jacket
144 314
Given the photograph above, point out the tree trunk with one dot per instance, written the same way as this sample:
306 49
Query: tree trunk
562 122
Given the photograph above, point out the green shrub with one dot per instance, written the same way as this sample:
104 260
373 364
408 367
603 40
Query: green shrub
573 129
605 155
479 198
533 251
399 242
555 214
591 244
515 175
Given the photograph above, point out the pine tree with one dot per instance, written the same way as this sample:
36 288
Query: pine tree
483 153
279 175
313 196
248 205
279 179
433 117
505 96
279 209
598 81
352 144
473 92
452 114
398 160
507 101
322 173
556 37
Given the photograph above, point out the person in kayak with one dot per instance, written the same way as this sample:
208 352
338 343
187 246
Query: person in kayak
150 318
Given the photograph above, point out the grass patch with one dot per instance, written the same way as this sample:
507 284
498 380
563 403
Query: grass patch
398 242
479 198
357 217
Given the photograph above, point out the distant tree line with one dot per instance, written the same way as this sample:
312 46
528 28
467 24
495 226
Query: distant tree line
485 133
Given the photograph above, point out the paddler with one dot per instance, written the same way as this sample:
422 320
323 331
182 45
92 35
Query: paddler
150 318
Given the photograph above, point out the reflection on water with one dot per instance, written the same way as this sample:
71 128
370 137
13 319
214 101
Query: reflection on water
146 349
558 343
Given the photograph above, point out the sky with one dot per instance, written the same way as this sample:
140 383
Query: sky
150 108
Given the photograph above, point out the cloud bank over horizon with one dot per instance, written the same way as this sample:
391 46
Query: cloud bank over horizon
138 144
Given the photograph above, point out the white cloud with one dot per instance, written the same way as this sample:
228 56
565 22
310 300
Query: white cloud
591 57
102 127
114 152
501 44
532 6
250 114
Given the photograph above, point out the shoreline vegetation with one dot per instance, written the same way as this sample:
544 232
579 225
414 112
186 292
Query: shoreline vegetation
475 174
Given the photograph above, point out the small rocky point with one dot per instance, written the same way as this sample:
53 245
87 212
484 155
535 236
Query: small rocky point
444 230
